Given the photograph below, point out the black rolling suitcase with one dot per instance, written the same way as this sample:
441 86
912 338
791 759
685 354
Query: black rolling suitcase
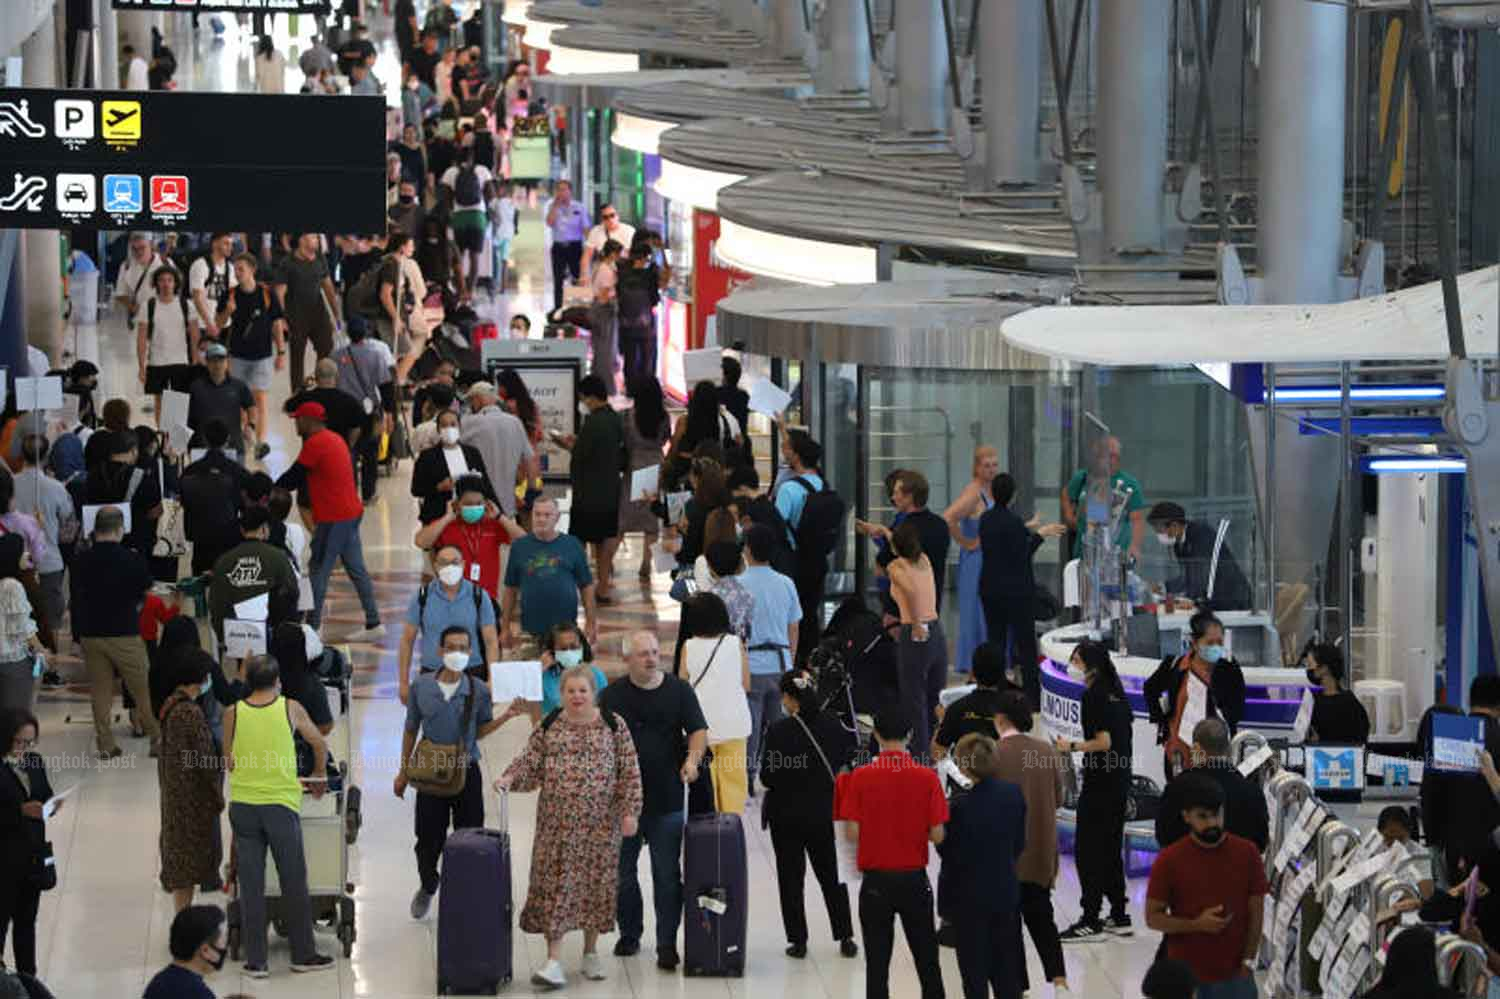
715 892
474 912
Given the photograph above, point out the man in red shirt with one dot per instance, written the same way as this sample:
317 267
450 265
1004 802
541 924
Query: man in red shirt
324 473
475 526
1206 895
895 807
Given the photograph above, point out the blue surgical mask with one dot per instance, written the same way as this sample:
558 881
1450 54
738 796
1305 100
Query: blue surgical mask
1211 654
206 688
568 658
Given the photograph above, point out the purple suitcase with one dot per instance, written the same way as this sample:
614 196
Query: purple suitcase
474 912
715 896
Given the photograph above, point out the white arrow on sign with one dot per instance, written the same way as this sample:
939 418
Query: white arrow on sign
16 115
28 194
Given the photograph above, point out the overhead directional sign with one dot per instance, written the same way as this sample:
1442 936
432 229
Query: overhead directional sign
233 6
196 161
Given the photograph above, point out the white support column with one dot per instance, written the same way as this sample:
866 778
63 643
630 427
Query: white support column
1010 74
40 248
850 36
922 66
1134 82
1302 91
789 30
109 45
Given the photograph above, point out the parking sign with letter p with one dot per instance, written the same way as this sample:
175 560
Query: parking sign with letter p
73 119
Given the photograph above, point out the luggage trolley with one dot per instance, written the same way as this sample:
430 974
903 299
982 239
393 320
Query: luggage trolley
330 824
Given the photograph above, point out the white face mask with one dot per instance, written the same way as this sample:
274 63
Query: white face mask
449 435
451 575
206 688
456 661
1164 538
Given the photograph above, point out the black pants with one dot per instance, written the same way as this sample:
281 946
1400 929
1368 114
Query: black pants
796 841
366 465
1010 622
985 955
1098 849
883 896
18 905
567 259
433 816
810 582
1036 913
638 348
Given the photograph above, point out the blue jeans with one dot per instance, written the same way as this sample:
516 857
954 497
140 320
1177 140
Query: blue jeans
663 835
339 541
765 711
1236 988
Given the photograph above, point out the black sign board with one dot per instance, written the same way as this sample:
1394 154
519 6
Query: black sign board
230 6
193 161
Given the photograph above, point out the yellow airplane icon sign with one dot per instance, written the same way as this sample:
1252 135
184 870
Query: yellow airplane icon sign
122 122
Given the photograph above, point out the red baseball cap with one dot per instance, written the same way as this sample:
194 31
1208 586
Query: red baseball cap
311 410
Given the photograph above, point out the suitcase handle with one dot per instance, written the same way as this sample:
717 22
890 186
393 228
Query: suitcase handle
504 810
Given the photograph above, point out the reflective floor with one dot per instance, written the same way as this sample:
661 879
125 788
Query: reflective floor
103 931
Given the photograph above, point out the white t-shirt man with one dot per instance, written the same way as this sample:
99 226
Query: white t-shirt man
215 280
168 335
623 233
138 75
135 279
450 179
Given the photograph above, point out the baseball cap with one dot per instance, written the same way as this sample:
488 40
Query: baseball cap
484 389
311 410
215 350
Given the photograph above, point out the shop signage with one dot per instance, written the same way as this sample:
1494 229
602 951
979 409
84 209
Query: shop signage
196 161
230 6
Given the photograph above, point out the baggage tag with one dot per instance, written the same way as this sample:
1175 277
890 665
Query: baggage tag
712 904
369 406
474 572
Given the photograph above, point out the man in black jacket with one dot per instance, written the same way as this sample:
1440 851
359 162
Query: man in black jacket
1007 584
212 496
1208 581
1458 808
1244 804
109 583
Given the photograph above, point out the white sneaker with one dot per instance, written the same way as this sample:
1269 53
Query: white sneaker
550 976
1061 992
593 968
374 634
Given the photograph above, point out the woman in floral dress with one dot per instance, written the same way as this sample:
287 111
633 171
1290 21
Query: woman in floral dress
191 795
586 769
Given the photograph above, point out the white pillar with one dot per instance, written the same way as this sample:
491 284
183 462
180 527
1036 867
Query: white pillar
1406 588
788 29
109 45
40 248
1132 121
850 36
1010 75
1302 91
922 66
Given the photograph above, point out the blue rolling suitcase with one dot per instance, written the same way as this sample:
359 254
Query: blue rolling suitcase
715 893
474 912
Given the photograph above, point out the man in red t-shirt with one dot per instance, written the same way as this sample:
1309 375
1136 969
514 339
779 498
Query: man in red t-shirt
895 807
1206 895
324 473
475 526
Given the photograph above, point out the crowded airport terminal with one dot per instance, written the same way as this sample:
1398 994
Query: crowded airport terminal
722 499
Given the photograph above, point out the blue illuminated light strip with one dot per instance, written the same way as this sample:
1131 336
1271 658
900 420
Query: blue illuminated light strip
1375 426
1359 393
1436 465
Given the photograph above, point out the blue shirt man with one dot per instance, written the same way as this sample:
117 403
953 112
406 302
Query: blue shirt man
546 574
449 601
773 634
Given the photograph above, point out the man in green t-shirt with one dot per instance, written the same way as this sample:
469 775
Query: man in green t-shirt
1132 530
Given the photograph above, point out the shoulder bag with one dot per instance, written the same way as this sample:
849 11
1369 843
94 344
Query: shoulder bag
438 768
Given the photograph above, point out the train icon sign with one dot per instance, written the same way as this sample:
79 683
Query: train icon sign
122 193
169 195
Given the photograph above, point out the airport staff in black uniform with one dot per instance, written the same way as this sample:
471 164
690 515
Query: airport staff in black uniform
1207 582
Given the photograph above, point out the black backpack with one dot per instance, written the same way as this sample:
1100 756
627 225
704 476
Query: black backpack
761 510
364 297
466 187
636 295
822 524
210 505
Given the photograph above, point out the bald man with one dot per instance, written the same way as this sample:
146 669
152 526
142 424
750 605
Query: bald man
662 712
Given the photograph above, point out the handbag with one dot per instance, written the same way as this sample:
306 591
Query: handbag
43 867
1044 604
441 768
171 529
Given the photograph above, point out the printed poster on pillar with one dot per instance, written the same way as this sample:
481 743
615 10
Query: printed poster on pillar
196 161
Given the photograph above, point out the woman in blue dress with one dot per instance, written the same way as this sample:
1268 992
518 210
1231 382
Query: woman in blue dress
963 523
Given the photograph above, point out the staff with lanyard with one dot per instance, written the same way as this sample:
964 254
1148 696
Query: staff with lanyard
773 636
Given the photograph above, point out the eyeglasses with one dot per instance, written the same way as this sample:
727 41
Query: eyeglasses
24 743
610 217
